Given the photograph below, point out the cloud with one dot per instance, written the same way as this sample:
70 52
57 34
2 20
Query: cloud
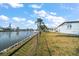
40 13
55 20
13 5
36 6
4 18
16 5
51 17
66 6
18 19
74 20
22 23
30 22
52 13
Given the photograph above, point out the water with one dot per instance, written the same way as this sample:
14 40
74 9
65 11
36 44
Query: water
7 39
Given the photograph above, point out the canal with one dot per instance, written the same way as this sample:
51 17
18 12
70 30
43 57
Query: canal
8 39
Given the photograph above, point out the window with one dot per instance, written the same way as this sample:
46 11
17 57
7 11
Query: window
69 26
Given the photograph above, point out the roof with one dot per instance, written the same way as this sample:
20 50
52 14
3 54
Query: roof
67 22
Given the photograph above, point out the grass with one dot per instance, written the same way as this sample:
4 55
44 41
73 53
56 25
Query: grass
50 44
64 46
12 50
27 49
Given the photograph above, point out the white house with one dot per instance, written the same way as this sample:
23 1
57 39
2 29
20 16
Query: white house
70 27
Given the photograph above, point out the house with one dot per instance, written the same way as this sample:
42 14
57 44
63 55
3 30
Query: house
70 27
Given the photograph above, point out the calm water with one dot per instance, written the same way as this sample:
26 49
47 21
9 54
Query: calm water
9 38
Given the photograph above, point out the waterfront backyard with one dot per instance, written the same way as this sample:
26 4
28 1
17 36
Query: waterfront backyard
49 44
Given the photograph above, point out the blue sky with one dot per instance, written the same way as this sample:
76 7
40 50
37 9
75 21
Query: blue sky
25 15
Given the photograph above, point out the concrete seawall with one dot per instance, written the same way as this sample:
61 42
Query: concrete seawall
17 45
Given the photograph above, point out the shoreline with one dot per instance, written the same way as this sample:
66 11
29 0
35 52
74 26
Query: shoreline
11 31
17 45
46 44
50 44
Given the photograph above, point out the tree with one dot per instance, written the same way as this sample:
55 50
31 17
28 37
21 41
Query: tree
40 25
44 28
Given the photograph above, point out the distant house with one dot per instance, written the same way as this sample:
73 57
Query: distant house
70 27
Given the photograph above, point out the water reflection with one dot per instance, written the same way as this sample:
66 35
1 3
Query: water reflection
17 33
9 38
9 33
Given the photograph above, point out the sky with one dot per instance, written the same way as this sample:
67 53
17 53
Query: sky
24 15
